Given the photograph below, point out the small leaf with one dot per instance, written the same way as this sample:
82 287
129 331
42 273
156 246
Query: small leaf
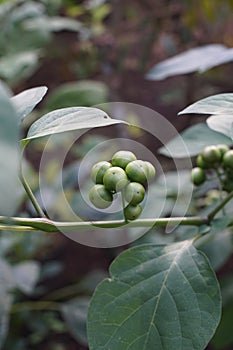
216 104
26 275
75 314
191 141
225 57
186 62
221 123
67 119
26 101
9 154
158 297
15 67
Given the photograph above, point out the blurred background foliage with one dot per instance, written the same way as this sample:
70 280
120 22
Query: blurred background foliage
91 52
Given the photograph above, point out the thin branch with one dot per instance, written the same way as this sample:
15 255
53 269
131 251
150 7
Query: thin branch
219 207
47 225
28 189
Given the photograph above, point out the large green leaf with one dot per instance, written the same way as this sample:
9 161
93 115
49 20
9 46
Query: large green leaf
186 62
158 297
9 155
194 140
216 104
67 119
26 101
222 124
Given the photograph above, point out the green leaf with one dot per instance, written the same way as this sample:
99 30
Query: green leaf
9 155
67 119
158 297
26 275
20 65
75 314
186 62
225 57
191 141
222 124
84 93
217 244
216 104
26 101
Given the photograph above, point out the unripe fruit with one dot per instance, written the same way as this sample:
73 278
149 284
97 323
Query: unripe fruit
137 171
115 179
98 170
228 184
201 163
223 149
150 170
122 158
198 176
211 155
134 193
132 212
100 197
228 159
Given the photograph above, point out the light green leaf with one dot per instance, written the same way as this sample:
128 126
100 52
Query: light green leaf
216 104
86 93
186 62
194 140
74 313
225 57
221 123
9 155
26 101
68 119
158 297
26 275
15 67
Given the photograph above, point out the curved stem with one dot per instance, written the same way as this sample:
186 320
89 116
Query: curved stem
219 207
28 189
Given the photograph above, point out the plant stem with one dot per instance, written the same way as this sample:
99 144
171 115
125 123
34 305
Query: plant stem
35 306
28 189
47 225
219 207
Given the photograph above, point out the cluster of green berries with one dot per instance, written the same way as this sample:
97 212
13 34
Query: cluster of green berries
218 159
125 174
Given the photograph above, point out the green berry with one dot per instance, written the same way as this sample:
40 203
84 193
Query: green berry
228 159
198 176
201 163
98 170
132 212
134 193
150 170
100 197
122 158
115 179
223 149
211 155
137 171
